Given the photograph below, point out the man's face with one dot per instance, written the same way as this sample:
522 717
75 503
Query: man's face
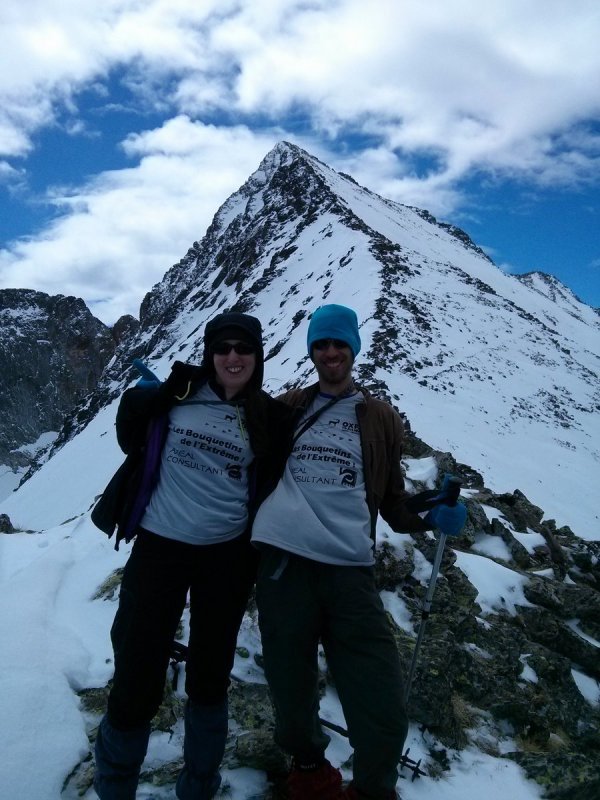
333 361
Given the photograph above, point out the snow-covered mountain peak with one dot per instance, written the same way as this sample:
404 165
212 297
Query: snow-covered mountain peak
555 290
500 371
497 373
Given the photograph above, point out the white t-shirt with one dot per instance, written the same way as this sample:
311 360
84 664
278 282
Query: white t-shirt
202 493
319 507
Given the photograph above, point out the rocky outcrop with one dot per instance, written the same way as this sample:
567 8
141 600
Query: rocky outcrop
6 525
52 352
485 677
512 669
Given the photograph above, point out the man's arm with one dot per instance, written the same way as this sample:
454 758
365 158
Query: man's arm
393 506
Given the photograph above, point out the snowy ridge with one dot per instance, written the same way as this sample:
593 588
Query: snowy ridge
556 291
501 373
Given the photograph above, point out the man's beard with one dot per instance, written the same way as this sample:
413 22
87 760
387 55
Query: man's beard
334 375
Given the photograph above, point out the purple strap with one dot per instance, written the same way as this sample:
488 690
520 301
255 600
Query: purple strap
154 446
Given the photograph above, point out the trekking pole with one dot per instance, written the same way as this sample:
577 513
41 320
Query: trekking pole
448 495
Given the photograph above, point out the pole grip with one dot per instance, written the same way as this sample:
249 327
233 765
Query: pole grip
451 488
425 501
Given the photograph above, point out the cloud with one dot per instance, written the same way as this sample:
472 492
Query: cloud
500 89
121 231
485 90
52 49
8 173
411 98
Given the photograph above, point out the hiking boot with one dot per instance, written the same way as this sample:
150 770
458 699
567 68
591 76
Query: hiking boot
324 783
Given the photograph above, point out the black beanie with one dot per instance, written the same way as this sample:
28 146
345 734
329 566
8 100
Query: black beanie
235 325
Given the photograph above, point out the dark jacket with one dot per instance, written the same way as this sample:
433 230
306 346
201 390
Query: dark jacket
142 423
381 435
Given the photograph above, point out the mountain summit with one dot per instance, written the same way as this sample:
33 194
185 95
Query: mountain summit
499 370
498 379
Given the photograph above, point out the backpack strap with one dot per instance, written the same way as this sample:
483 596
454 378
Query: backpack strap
308 423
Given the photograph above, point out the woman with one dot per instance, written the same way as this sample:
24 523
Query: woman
200 458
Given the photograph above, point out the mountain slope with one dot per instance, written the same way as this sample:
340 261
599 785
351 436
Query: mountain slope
502 372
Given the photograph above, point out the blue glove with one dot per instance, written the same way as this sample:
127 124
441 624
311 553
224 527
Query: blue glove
145 383
148 380
448 519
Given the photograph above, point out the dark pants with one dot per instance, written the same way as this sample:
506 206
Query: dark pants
154 590
301 602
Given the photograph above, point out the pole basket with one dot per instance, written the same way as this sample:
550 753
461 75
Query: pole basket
411 765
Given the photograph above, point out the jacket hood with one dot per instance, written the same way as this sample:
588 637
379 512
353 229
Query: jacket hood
231 325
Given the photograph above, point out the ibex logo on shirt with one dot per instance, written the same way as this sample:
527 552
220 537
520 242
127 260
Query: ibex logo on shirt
234 471
351 426
348 476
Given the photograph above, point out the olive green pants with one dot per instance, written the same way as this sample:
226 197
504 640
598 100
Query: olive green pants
302 602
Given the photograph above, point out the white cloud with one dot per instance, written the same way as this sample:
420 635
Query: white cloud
484 88
505 89
8 172
123 230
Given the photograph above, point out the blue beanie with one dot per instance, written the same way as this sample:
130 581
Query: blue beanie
334 322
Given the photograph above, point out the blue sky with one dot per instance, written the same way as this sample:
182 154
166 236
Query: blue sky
124 124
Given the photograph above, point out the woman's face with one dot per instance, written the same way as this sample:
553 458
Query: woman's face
233 369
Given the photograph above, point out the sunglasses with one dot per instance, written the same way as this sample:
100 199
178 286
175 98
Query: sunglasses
224 348
323 344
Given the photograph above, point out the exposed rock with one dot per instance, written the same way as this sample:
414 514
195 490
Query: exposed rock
514 669
518 552
557 554
255 749
477 522
390 571
250 706
564 776
125 329
52 353
109 588
470 478
555 635
5 524
567 600
517 509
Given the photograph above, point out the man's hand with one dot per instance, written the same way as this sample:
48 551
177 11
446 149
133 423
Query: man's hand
448 519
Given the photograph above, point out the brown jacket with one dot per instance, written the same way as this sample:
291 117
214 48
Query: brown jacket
381 435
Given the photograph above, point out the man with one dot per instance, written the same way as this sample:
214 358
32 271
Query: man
316 534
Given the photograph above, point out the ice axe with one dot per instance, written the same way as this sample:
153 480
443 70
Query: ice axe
425 501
